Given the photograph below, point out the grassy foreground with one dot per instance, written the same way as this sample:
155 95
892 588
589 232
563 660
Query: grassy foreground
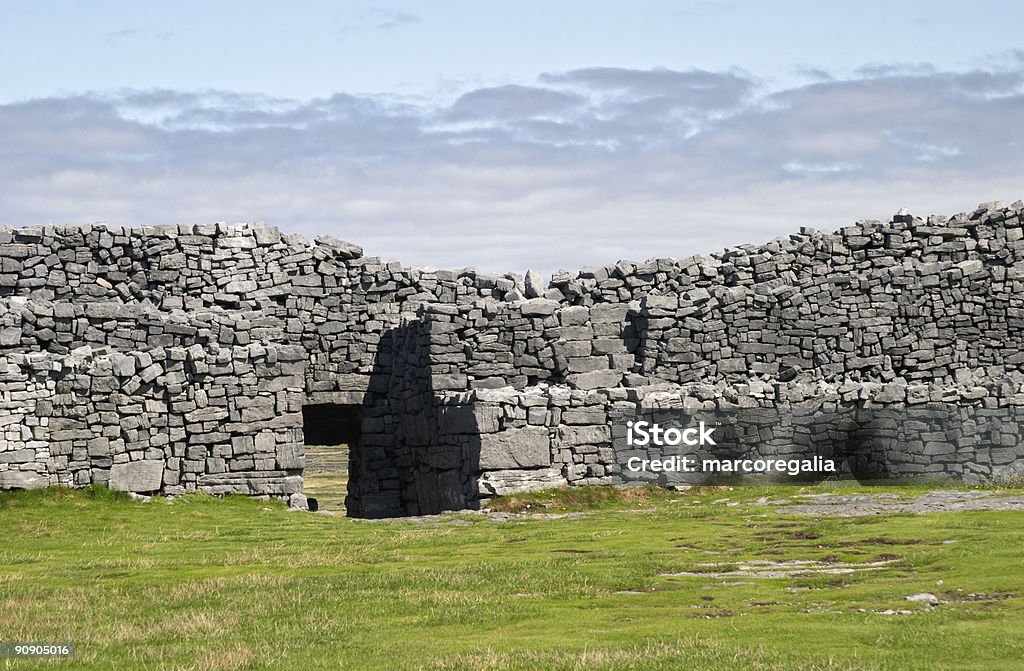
203 583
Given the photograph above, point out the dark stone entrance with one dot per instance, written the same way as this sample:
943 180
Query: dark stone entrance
331 424
332 433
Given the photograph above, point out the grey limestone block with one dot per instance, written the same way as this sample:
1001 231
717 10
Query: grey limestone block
469 419
242 444
265 441
10 336
535 307
22 456
497 483
608 346
339 248
588 363
290 456
534 287
576 315
584 435
527 447
604 313
22 480
583 416
137 476
652 302
537 416
266 236
595 379
445 382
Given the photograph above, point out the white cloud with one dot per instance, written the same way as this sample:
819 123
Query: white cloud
811 168
118 38
512 102
377 19
578 168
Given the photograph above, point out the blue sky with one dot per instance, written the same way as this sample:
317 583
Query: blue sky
509 135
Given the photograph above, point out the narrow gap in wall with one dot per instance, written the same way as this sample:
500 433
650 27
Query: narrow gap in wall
331 431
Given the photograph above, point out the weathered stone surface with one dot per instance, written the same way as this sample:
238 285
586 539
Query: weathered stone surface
339 248
497 483
534 284
22 480
528 447
596 379
123 366
108 310
137 476
471 420
535 307
290 456
22 456
584 435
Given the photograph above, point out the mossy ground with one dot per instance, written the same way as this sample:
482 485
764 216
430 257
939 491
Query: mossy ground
233 583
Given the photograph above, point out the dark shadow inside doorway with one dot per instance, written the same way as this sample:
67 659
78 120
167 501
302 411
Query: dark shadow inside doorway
332 431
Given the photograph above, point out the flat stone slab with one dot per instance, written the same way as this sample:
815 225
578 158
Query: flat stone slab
528 447
497 483
783 569
943 500
137 476
250 483
22 480
22 456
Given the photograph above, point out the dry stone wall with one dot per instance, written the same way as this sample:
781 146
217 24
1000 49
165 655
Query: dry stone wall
165 419
171 359
192 348
553 435
910 314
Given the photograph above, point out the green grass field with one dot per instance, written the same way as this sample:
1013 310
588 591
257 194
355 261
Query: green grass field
326 475
205 583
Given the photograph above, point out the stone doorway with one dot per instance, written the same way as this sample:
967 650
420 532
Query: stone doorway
331 433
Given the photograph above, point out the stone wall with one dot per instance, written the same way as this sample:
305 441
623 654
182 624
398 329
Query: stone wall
553 435
902 301
170 419
211 337
531 395
177 358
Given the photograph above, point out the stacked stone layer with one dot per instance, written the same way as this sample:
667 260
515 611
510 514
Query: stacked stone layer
170 359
